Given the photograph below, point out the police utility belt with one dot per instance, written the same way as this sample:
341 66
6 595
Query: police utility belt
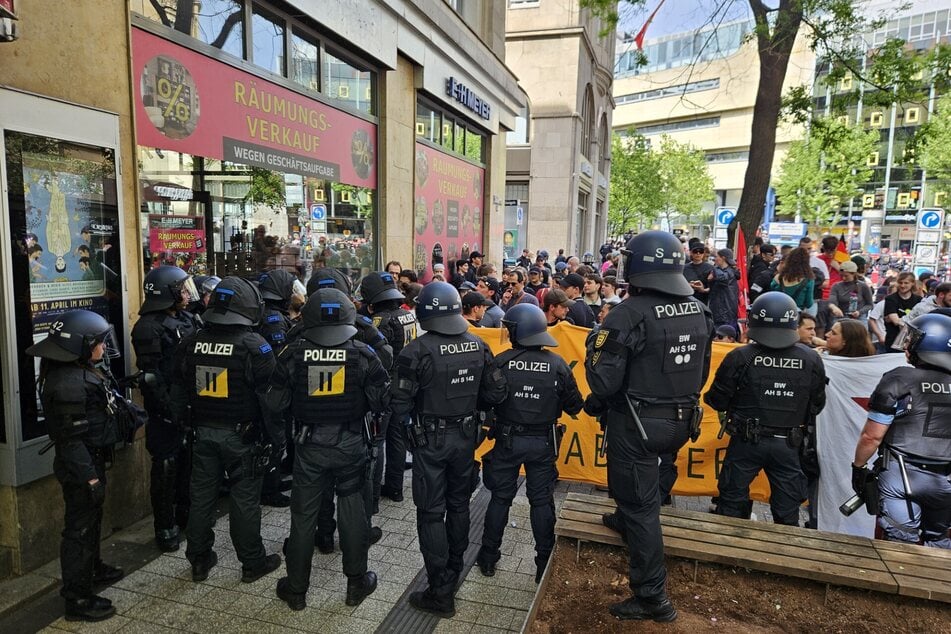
228 426
749 429
425 429
941 468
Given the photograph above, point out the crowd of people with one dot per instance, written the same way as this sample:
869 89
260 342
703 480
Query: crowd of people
333 383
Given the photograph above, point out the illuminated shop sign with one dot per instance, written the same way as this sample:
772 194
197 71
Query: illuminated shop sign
461 93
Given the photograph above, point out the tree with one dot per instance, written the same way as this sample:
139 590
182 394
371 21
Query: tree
684 183
823 172
635 196
934 148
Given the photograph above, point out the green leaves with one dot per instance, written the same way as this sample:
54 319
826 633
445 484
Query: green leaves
934 141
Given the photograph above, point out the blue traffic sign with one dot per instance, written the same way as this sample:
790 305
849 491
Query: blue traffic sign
725 215
929 218
318 212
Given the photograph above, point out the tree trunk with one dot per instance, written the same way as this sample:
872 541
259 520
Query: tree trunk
774 51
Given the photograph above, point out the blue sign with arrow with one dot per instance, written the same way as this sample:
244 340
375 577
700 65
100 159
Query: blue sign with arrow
318 212
725 215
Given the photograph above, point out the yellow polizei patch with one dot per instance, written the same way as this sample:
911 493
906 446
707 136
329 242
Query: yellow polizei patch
211 381
326 380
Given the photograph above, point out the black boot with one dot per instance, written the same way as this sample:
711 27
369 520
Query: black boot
634 609
276 499
269 565
294 600
324 544
376 534
442 606
202 565
360 587
90 608
103 573
541 562
167 540
613 521
394 493
486 565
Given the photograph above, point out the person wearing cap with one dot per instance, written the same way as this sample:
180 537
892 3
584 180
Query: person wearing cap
535 280
699 272
221 377
767 393
541 260
475 261
561 269
725 289
852 296
489 288
578 313
725 334
439 269
555 306
474 305
526 435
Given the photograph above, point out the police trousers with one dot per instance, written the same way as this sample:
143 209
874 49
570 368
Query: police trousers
500 469
216 451
744 461
442 485
79 550
634 483
926 512
169 477
318 470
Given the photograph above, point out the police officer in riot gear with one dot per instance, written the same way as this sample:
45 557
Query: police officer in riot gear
769 391
277 287
205 284
331 384
78 407
383 303
444 378
908 424
163 323
222 376
646 365
541 387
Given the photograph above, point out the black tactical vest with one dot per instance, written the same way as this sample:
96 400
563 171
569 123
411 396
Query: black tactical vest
77 384
922 425
775 385
217 371
328 384
399 327
669 369
533 378
457 366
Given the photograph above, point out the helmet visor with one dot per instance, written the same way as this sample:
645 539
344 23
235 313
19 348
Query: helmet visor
622 263
908 338
186 290
112 344
508 333
298 288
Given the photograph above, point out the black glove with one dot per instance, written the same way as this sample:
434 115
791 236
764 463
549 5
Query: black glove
594 406
97 493
859 477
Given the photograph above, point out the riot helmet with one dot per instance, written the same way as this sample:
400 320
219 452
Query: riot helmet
526 326
929 341
587 258
774 320
234 302
328 317
328 277
165 286
278 285
377 287
439 309
207 284
655 260
72 336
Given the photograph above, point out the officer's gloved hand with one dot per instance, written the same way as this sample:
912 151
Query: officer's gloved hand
859 477
97 493
594 406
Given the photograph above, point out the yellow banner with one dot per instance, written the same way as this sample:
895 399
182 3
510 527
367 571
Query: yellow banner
698 464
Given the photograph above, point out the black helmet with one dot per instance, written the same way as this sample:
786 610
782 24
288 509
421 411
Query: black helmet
587 258
278 285
163 288
377 287
328 317
73 335
439 309
328 277
655 260
207 283
929 341
527 326
774 320
234 302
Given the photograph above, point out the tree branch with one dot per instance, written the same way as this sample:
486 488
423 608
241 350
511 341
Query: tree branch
226 28
162 12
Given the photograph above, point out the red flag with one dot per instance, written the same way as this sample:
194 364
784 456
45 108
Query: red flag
744 281
841 250
639 38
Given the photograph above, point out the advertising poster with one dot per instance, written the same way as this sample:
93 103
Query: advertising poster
448 210
178 241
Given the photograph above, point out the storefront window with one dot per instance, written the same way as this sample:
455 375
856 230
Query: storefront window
219 23
459 140
474 144
345 82
427 123
267 39
447 128
65 249
305 69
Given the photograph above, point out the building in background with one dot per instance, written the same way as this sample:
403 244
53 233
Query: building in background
559 153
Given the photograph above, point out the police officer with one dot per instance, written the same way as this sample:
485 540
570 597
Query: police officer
908 424
205 284
277 287
77 405
769 390
647 364
383 303
223 375
162 324
330 383
541 387
445 377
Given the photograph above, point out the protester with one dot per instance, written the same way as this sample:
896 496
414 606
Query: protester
609 290
699 272
489 288
853 297
849 338
578 313
725 334
795 278
724 289
897 305
555 305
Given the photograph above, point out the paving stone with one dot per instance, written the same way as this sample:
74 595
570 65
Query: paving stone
495 616
123 600
170 567
518 620
277 612
108 626
372 609
467 611
452 626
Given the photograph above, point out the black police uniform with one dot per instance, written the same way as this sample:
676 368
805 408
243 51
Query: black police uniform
329 390
155 338
655 348
915 404
274 327
443 381
769 395
540 387
224 371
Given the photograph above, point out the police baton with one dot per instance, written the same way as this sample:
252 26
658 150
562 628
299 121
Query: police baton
604 442
637 419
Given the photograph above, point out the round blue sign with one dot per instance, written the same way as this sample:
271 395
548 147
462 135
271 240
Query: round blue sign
929 219
725 216
318 212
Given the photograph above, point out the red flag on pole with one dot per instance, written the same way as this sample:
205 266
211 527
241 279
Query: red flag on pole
841 250
740 251
639 38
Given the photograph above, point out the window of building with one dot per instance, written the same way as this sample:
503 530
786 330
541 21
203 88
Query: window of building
587 121
522 4
876 118
452 133
347 82
912 115
872 160
305 65
447 129
679 126
604 145
728 157
843 119
846 82
519 136
712 42
267 41
669 91
427 122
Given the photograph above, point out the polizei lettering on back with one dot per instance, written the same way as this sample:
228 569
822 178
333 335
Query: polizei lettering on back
666 311
936 388
338 356
772 362
222 349
459 348
530 366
